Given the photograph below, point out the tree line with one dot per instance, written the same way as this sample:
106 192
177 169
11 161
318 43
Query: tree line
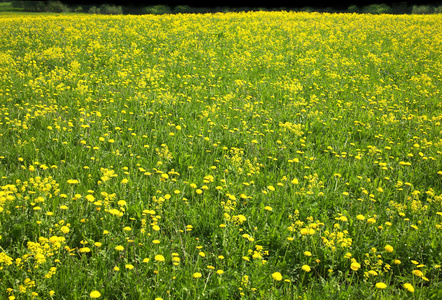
59 6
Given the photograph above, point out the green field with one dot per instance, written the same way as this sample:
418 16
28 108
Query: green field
266 155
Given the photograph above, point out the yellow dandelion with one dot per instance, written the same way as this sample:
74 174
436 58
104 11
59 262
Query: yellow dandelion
355 266
277 276
409 287
381 285
389 248
306 268
159 258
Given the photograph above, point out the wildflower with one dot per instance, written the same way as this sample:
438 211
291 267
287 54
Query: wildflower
306 268
85 250
381 285
64 229
389 248
197 275
159 258
95 294
307 253
156 227
268 208
119 248
418 273
219 272
277 276
360 217
129 266
90 198
355 266
371 221
409 287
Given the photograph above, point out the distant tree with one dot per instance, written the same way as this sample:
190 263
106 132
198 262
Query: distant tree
94 10
422 9
56 6
33 6
377 9
182 9
111 9
353 9
158 10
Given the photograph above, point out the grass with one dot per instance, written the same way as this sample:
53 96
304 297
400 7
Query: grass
7 7
261 155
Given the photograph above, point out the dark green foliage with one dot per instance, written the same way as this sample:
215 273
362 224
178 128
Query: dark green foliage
422 9
158 10
56 6
111 10
41 6
377 9
353 9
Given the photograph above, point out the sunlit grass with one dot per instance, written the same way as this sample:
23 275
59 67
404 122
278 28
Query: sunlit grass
240 155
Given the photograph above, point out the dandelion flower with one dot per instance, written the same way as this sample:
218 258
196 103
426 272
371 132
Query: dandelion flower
409 287
119 248
418 273
389 248
355 266
95 294
277 276
381 285
306 268
159 258
307 253
64 229
197 275
371 221
360 217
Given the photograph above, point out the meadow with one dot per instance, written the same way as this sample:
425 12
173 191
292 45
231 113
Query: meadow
261 155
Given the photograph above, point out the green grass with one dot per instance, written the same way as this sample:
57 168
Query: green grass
7 7
236 146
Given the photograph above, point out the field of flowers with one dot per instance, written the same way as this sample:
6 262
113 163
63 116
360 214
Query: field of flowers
262 155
